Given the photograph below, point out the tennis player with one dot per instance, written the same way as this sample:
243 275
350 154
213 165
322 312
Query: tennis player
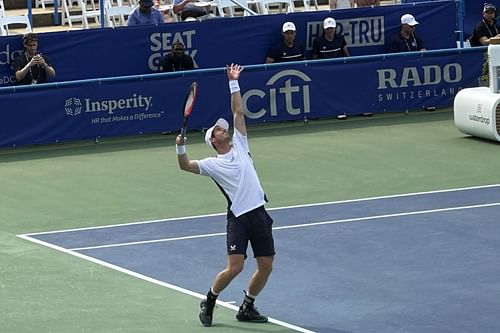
247 219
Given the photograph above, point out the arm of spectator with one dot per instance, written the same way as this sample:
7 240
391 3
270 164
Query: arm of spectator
486 41
269 60
22 72
421 45
345 51
180 6
189 62
132 19
159 17
49 70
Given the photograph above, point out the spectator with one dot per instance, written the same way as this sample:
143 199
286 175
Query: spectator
187 8
406 40
287 49
331 44
487 28
176 60
32 67
339 4
366 3
145 14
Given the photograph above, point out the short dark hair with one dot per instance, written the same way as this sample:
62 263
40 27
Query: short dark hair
30 37
177 43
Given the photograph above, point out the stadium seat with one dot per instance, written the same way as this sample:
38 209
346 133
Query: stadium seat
69 18
7 20
265 4
114 14
2 9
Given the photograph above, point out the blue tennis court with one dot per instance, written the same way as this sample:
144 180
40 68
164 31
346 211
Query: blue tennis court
420 262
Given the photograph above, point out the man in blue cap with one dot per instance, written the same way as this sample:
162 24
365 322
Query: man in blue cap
145 14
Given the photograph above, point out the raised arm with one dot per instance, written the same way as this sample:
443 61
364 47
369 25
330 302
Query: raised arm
233 74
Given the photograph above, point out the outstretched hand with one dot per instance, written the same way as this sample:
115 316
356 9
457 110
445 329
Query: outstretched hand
233 71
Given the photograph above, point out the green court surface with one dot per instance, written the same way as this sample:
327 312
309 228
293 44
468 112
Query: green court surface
123 180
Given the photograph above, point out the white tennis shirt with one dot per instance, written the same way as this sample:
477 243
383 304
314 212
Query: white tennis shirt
235 173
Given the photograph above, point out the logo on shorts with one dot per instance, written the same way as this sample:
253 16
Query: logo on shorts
232 247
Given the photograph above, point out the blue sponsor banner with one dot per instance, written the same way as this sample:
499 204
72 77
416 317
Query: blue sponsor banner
99 53
314 89
473 12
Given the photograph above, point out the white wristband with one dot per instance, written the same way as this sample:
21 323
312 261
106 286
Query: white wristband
234 86
180 149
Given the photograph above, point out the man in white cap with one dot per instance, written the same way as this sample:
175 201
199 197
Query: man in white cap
406 40
331 44
287 49
487 28
247 220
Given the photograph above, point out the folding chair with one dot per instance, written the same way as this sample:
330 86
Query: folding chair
117 13
68 17
307 4
223 8
13 19
2 9
265 4
41 3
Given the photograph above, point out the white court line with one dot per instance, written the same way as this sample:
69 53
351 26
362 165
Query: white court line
157 282
270 209
355 219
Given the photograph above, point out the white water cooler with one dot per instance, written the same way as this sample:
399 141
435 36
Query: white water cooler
477 110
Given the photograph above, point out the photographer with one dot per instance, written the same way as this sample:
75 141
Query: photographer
32 67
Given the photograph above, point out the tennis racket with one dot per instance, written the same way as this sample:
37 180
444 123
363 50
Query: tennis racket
188 106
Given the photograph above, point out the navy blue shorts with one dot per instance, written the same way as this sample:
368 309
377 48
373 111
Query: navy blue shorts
255 227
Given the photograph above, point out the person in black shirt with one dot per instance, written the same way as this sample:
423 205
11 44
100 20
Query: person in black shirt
487 28
31 66
176 60
406 40
287 49
331 44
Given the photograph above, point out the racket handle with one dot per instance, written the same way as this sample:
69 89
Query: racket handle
183 132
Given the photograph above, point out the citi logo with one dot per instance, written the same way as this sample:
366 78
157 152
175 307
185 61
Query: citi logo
419 76
295 96
74 106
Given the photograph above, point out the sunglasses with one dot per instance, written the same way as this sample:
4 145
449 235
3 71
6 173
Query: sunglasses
178 50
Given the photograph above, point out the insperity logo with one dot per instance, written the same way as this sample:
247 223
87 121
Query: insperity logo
74 106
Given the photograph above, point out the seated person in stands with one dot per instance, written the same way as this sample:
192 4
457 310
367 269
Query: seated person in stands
145 14
487 28
286 50
340 4
176 60
331 44
406 40
32 67
187 9
366 3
